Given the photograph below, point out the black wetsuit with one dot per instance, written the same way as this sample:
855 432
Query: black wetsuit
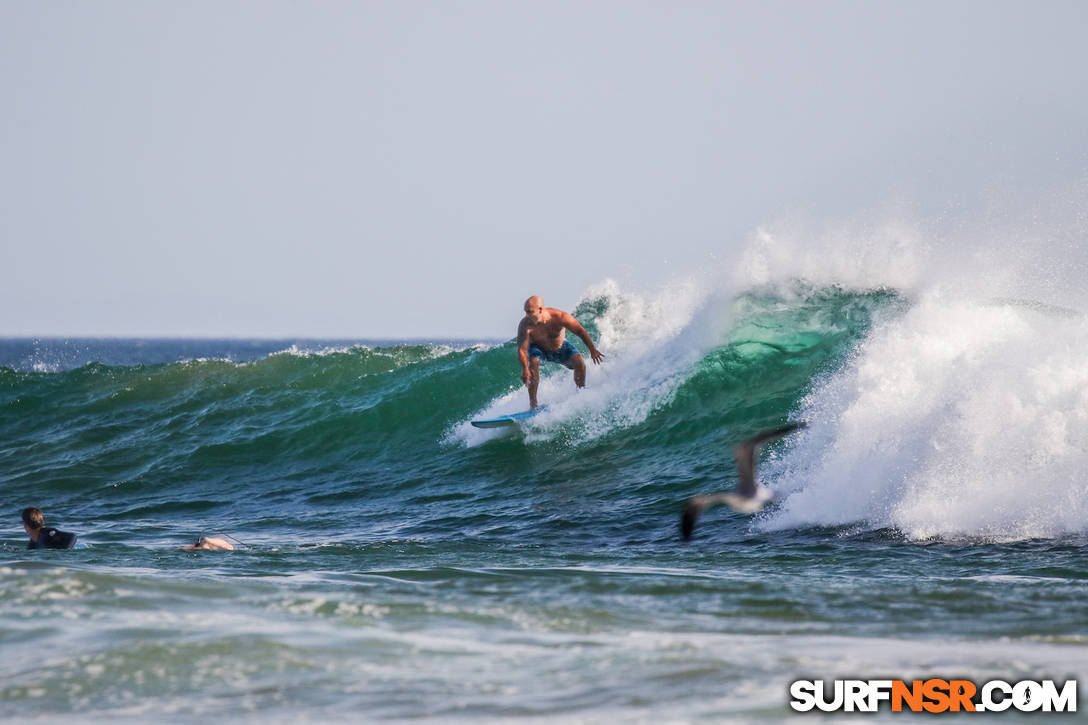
49 538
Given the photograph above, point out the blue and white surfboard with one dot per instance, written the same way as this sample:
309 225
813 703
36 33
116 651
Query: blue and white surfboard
507 420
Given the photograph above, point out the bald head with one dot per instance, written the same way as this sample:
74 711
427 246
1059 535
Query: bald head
535 312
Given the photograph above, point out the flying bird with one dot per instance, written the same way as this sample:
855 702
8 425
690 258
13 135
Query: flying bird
748 497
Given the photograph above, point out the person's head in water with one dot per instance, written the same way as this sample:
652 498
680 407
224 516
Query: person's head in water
42 536
213 543
32 520
534 310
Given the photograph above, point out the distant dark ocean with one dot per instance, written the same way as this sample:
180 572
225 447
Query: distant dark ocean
399 564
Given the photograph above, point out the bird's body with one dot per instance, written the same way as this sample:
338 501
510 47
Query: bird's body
748 497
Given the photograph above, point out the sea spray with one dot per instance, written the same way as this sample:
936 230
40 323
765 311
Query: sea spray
962 418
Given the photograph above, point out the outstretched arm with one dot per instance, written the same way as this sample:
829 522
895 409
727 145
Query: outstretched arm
572 324
523 351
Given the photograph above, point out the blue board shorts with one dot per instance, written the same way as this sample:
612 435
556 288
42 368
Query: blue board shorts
561 356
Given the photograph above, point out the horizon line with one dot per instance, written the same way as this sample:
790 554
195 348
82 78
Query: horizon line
256 338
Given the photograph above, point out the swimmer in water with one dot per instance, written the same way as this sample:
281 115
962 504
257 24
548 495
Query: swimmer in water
42 536
211 543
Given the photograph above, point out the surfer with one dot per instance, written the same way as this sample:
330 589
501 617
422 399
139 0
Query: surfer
748 497
42 537
541 337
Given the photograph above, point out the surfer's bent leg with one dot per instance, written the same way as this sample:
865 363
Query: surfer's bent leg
534 380
578 365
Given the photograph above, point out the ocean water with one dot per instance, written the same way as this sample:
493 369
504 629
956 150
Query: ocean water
401 565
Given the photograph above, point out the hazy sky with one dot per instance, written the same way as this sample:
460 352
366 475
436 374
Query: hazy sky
416 169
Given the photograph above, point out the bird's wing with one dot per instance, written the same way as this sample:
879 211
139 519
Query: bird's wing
695 506
745 454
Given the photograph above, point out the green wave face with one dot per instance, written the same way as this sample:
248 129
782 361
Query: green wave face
772 354
370 425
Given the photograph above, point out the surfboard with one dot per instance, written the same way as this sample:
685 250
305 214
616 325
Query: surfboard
507 420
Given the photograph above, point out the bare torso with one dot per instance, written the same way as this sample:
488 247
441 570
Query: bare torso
545 335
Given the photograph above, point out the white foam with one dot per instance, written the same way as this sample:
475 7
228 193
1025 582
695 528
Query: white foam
969 415
434 350
962 418
295 351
